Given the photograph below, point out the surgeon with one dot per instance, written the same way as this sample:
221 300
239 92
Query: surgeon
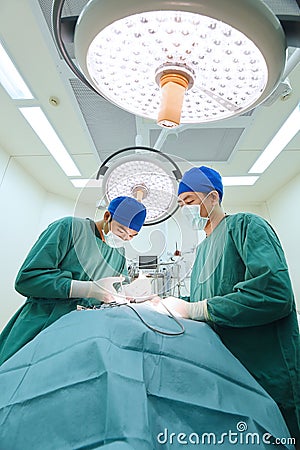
241 287
74 262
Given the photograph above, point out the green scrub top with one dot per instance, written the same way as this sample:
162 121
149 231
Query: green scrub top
241 270
69 249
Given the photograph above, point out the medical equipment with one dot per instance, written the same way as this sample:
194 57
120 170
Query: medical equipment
148 263
170 278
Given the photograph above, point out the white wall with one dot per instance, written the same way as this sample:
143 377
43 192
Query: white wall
21 200
56 206
284 214
260 209
4 162
26 210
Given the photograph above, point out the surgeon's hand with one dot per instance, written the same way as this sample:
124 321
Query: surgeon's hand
139 290
101 290
194 310
175 305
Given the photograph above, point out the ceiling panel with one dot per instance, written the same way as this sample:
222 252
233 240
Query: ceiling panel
110 127
284 169
202 144
283 6
47 173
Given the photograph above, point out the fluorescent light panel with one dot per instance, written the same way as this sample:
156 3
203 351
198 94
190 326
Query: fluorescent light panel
10 78
239 181
86 182
40 124
286 133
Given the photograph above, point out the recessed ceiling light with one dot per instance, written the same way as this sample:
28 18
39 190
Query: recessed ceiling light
285 134
86 183
239 181
40 124
11 79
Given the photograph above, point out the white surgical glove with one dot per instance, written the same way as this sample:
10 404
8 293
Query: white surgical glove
181 308
139 290
198 311
174 305
102 290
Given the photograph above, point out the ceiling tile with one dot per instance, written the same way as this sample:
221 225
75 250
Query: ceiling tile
215 144
111 128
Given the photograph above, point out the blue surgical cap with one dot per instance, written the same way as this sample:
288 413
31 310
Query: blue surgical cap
128 211
201 179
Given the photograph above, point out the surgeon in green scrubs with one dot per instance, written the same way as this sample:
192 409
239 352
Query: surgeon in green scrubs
241 287
74 262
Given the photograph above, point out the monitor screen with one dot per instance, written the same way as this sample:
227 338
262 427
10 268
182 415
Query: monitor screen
147 262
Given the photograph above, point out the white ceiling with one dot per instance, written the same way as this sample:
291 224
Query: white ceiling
92 129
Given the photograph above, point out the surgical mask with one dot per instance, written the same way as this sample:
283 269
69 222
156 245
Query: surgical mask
192 214
113 240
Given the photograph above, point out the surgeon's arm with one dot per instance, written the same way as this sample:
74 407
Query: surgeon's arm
40 274
182 308
265 294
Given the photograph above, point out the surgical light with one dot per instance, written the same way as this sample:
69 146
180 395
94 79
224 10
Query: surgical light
144 174
179 62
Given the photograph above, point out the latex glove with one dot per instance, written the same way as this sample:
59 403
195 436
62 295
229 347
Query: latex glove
139 290
181 308
175 305
102 290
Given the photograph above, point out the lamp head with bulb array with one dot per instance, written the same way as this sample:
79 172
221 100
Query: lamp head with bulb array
145 174
181 62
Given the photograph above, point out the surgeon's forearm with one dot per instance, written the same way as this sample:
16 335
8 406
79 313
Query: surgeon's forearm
43 285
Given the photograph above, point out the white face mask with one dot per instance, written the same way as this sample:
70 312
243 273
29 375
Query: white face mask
113 240
192 214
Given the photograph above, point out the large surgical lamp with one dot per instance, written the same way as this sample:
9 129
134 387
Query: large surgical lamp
176 61
145 174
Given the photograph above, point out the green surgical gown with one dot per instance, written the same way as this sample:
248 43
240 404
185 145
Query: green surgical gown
241 270
70 248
